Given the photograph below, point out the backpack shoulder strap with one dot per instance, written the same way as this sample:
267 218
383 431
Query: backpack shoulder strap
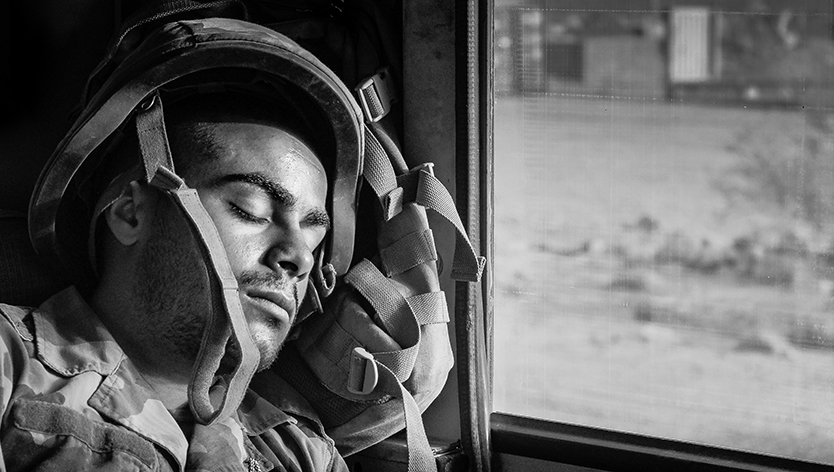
419 186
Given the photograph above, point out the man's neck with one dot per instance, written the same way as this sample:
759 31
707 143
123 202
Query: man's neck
172 392
166 374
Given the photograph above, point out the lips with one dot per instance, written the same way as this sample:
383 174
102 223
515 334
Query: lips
272 301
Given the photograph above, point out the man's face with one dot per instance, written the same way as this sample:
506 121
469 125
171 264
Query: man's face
265 190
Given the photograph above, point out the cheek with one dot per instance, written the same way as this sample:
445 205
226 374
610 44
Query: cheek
242 248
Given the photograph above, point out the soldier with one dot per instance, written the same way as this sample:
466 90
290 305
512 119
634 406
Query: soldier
199 197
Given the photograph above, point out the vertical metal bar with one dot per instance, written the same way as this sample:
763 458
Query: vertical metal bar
487 94
472 139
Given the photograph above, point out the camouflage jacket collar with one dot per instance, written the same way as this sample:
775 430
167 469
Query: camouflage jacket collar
72 341
70 338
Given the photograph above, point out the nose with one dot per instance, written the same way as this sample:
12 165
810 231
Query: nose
290 253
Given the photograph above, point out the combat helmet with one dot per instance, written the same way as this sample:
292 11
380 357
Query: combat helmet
151 63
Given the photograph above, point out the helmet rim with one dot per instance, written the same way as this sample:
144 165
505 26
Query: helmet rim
170 53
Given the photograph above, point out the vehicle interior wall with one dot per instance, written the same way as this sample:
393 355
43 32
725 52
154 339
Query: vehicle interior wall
429 135
51 47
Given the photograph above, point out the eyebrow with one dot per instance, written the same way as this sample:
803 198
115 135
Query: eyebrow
277 193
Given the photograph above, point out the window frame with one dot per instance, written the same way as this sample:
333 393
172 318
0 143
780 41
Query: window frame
617 451
488 434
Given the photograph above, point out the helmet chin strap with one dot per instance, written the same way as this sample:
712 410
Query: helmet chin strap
322 283
226 321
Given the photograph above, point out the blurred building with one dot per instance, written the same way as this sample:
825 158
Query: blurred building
770 51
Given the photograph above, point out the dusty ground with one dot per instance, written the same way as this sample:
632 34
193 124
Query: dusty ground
590 328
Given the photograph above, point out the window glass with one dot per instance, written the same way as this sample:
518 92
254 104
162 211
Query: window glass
664 219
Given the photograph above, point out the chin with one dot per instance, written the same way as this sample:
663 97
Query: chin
268 355
269 339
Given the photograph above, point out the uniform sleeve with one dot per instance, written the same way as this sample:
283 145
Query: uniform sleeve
338 463
14 355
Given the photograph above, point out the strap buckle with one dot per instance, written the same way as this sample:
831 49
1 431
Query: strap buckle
364 373
425 166
377 94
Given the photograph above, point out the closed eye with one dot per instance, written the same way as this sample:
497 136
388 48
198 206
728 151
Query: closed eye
245 215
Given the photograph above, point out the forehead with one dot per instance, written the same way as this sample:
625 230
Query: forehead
216 149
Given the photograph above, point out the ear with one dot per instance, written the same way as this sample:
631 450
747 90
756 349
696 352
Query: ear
129 216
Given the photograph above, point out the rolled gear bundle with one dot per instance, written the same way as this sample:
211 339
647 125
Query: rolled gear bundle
361 396
141 74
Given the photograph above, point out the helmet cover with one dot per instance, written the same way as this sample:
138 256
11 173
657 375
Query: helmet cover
181 52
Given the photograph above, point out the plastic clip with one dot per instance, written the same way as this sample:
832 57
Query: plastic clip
426 166
376 95
364 373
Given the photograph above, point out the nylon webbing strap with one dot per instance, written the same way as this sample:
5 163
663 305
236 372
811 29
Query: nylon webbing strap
365 277
380 176
430 307
394 313
153 139
400 362
226 320
420 455
392 149
424 188
386 300
408 252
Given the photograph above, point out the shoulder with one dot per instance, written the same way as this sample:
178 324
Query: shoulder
16 321
17 348
303 445
17 334
290 428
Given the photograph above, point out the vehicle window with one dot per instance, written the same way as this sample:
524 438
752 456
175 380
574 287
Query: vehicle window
664 219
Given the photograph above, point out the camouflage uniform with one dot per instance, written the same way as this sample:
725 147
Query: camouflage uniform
71 400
